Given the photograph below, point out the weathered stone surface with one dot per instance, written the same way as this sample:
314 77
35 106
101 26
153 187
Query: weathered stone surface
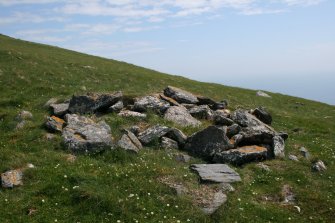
83 135
319 166
50 102
263 115
293 157
55 124
221 105
167 143
152 133
128 144
220 119
127 113
262 94
177 135
93 102
288 196
244 119
218 200
201 112
233 130
135 129
180 95
49 136
217 173
278 146
236 140
284 135
180 116
11 178
150 102
205 101
241 155
117 107
24 115
60 109
184 158
171 101
304 152
226 187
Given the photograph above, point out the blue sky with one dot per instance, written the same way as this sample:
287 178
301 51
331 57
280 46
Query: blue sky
285 46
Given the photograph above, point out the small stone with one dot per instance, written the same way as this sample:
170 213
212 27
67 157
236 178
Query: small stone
55 124
60 109
24 115
182 158
226 187
127 113
262 94
126 143
11 178
278 146
287 194
293 157
264 167
50 102
319 166
219 199
30 166
49 136
201 112
168 143
304 152
117 107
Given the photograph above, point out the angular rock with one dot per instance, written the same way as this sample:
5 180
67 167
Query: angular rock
242 155
184 158
284 135
130 143
207 142
60 109
50 102
201 112
293 158
55 124
278 146
218 200
168 143
233 130
11 178
83 135
117 107
217 173
262 94
177 135
171 101
319 166
263 115
222 120
152 133
188 106
244 119
205 101
127 113
236 140
180 95
135 129
142 104
24 115
180 116
226 187
93 102
221 105
304 152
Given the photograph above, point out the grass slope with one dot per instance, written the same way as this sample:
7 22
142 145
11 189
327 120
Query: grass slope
30 74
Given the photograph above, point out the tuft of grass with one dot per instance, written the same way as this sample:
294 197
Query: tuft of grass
116 185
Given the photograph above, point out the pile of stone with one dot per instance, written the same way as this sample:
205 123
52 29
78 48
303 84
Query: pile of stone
235 137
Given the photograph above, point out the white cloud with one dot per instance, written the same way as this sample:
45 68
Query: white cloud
21 17
20 2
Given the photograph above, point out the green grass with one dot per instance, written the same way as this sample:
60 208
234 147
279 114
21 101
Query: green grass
97 188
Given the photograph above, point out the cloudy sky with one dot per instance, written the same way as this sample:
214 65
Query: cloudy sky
285 46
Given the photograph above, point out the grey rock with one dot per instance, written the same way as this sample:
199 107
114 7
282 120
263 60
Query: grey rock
201 112
293 157
83 135
171 101
93 102
152 133
50 102
55 124
319 166
117 107
245 119
167 143
135 129
233 130
218 200
150 102
180 116
205 101
180 95
220 119
304 152
11 178
184 158
263 115
60 109
20 125
278 146
226 187
241 155
236 140
129 143
221 105
49 136
284 135
207 142
188 106
127 113
217 173
262 94
177 135
134 139
24 115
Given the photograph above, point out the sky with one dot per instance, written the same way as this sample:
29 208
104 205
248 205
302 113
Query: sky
285 46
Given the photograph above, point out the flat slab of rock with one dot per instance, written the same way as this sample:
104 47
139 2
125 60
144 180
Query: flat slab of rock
219 199
127 113
150 102
152 133
60 109
93 102
180 116
180 95
217 173
83 135
207 142
242 155
11 178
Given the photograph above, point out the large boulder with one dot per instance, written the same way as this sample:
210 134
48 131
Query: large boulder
93 102
180 116
241 155
263 115
150 102
180 95
201 112
83 135
153 133
216 173
207 142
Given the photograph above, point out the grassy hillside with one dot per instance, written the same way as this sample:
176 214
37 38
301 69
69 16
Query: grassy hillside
100 188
